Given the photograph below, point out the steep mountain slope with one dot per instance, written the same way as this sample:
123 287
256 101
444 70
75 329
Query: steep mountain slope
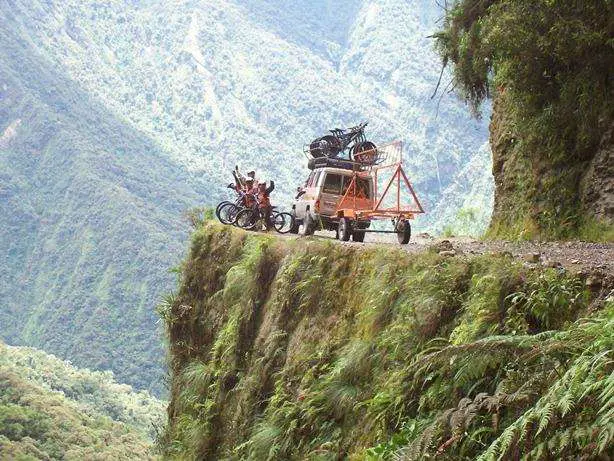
51 410
94 392
116 116
90 221
308 349
221 83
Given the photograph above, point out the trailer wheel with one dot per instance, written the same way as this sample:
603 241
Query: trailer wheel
345 229
358 236
403 229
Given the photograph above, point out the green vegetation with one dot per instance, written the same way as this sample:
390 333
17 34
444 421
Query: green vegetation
90 221
51 410
93 391
548 64
305 349
115 117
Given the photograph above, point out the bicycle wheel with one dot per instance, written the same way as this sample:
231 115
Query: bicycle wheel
228 213
219 206
247 219
283 222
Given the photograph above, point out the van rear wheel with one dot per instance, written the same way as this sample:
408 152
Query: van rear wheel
309 225
345 229
358 236
295 225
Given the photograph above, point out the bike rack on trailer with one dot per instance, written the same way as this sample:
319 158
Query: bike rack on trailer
356 205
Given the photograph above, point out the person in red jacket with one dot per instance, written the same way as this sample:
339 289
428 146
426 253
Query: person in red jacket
264 202
246 187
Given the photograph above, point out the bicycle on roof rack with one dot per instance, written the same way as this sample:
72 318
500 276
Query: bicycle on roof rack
351 140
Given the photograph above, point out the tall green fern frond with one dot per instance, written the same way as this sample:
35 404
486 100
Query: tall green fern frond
586 380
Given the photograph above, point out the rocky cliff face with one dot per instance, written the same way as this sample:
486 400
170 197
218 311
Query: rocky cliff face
548 66
597 185
308 349
536 195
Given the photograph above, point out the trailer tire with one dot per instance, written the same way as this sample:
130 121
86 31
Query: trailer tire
358 236
403 229
345 229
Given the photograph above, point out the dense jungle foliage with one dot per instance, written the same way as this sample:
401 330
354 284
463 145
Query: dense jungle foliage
50 410
548 65
287 349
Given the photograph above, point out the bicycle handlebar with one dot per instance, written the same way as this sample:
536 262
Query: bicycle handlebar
353 129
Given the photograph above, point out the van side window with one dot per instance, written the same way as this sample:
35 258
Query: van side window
332 183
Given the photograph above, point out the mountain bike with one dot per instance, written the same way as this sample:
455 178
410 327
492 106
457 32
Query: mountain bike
351 139
226 211
250 218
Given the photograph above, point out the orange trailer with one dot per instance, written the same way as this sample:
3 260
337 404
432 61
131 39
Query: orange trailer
393 195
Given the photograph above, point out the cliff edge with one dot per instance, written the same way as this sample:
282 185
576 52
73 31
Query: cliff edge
307 349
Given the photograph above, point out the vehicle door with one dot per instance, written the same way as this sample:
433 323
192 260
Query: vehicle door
331 190
309 196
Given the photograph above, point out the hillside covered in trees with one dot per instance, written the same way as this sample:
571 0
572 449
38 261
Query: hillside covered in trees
116 117
286 349
90 220
52 410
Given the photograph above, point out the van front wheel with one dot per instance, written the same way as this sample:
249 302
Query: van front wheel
345 229
295 225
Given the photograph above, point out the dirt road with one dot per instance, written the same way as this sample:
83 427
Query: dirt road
575 256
